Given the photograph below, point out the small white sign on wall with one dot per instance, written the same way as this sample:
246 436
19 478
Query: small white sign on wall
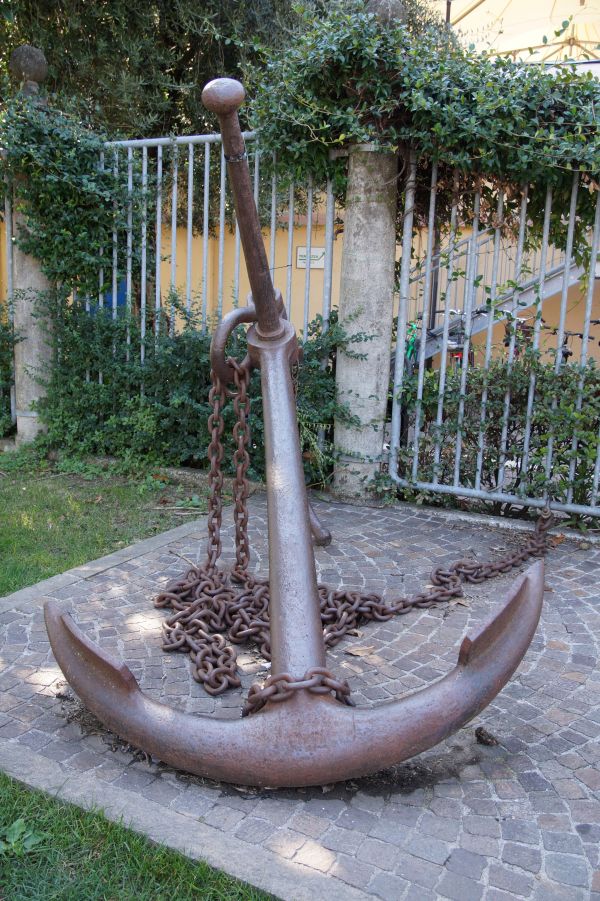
317 258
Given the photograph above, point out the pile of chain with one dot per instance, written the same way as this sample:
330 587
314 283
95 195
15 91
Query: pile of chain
212 607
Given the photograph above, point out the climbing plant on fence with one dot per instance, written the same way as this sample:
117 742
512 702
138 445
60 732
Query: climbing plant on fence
346 78
556 411
6 372
492 127
102 400
71 199
101 397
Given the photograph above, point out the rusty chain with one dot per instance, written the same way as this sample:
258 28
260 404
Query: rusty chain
241 460
317 680
216 399
211 606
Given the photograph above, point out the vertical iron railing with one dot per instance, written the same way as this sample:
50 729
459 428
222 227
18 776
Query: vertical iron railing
185 211
491 293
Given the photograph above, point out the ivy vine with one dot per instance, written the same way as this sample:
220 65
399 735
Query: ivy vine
349 78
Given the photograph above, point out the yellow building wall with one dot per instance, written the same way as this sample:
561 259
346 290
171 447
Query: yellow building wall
280 273
576 300
550 310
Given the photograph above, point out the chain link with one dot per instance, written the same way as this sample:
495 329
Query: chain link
216 399
241 461
317 680
211 606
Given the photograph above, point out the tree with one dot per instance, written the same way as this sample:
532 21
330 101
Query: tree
138 66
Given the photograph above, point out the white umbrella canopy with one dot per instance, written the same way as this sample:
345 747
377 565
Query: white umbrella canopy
526 31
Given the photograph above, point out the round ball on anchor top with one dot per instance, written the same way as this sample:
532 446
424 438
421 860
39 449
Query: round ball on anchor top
223 96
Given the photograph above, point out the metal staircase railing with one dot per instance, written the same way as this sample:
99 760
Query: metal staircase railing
512 294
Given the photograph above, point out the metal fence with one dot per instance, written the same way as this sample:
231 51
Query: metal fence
461 279
452 305
196 201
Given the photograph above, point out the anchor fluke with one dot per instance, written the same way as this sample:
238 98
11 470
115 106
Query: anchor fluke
310 739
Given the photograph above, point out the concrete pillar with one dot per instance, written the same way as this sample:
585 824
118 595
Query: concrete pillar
32 350
366 305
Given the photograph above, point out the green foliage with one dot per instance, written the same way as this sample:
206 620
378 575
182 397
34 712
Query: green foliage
101 399
556 413
7 343
87 857
54 516
139 65
348 78
71 203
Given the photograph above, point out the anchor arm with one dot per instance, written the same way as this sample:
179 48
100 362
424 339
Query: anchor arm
310 739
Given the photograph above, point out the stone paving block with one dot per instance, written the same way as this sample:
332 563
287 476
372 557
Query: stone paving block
440 827
381 854
357 819
162 792
395 826
521 818
35 739
285 842
187 802
466 863
480 844
133 780
459 888
314 855
254 830
482 825
431 849
566 842
566 869
277 812
517 883
388 887
520 831
551 891
418 870
225 818
346 840
308 824
419 893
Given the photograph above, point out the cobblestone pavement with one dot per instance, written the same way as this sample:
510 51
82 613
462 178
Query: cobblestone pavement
463 821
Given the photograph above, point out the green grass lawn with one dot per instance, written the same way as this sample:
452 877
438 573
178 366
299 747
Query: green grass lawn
80 856
51 520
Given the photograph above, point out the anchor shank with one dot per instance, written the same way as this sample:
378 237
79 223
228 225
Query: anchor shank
223 96
296 631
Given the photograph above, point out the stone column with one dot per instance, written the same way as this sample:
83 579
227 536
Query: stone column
366 305
32 351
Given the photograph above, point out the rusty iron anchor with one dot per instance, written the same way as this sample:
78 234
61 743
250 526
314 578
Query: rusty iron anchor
301 733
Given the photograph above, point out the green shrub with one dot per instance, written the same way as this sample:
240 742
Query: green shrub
556 413
6 372
102 400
